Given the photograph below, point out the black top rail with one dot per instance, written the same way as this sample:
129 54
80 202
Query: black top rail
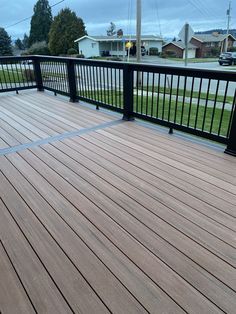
198 101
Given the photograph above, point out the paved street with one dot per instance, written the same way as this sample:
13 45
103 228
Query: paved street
204 65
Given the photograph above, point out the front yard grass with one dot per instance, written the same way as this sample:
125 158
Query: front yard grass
11 76
194 116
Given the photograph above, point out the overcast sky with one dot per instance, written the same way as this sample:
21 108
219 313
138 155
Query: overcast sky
165 17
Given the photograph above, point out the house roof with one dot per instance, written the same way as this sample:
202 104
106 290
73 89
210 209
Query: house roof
180 44
115 38
211 37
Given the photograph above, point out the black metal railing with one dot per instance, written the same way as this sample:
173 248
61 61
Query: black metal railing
17 73
201 102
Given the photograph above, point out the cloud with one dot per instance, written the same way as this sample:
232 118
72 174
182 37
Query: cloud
158 16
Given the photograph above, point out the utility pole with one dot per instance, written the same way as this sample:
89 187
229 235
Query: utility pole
186 39
138 30
228 13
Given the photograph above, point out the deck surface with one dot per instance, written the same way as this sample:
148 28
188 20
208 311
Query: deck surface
98 215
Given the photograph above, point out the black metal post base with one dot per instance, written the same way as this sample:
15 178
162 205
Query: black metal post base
230 152
128 118
74 100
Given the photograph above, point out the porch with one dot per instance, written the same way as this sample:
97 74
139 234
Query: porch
102 215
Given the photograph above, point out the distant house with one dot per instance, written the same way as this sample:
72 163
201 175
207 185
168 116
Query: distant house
177 49
91 46
206 43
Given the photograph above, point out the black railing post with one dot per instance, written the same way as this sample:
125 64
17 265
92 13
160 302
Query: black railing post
38 74
128 97
231 146
72 80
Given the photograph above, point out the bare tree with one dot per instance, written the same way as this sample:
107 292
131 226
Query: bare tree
111 31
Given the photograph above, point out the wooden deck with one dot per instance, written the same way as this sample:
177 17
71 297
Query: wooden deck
98 215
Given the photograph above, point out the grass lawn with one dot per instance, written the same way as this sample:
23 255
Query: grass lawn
184 114
192 117
202 95
11 76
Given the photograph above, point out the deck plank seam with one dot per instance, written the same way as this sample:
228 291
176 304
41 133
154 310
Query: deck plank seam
20 121
62 136
31 245
15 271
12 127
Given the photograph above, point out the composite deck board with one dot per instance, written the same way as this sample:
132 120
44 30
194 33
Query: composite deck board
125 219
43 118
172 160
142 196
136 282
27 118
214 163
152 266
8 138
16 134
60 107
12 293
36 280
159 161
146 182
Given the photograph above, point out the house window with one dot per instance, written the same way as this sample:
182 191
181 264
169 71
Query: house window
93 45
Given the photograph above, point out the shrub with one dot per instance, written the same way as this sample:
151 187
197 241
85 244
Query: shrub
72 51
114 59
96 57
81 56
153 51
215 51
39 48
163 54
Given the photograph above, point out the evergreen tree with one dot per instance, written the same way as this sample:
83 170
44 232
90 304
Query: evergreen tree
40 22
25 41
66 27
5 43
19 44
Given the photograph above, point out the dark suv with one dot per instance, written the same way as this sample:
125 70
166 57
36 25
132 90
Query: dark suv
227 58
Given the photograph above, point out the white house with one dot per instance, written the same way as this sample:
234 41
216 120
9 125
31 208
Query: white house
91 46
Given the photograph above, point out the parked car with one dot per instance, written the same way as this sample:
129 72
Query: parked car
227 58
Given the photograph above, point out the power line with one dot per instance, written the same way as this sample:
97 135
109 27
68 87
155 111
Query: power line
203 9
156 6
27 18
